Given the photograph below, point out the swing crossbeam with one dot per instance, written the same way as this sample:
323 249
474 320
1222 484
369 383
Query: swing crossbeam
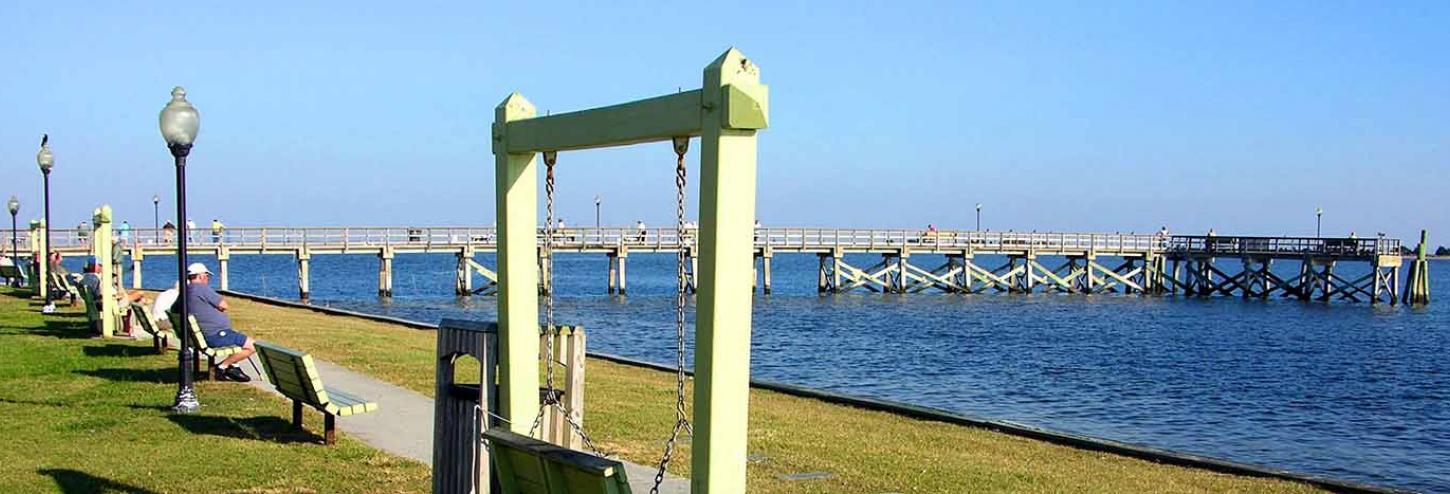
648 120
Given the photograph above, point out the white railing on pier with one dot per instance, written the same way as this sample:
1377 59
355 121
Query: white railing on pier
778 238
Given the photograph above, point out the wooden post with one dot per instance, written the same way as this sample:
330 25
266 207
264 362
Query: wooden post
722 318
385 272
223 274
516 204
137 255
304 277
765 267
101 250
821 274
613 269
1417 283
620 260
463 273
39 227
574 349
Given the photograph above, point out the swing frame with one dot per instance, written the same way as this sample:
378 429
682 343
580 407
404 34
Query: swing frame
725 113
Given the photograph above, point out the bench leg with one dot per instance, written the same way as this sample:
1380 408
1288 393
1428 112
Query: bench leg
297 414
329 430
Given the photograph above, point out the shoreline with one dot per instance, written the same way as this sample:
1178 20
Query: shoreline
908 410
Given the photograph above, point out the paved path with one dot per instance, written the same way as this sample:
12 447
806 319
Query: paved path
403 424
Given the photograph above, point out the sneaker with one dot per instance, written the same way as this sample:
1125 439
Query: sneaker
235 373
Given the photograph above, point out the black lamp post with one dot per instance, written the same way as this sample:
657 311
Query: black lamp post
14 206
597 202
179 125
979 216
46 160
156 219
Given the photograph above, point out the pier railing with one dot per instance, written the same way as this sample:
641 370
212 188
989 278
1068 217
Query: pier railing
778 238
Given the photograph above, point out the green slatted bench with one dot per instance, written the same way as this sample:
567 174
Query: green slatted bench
12 273
530 466
213 354
142 317
296 377
61 286
93 310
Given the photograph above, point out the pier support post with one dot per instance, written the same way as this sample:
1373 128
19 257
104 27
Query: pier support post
463 276
304 276
765 255
620 260
223 277
1417 285
546 266
137 254
1089 281
613 270
821 273
385 272
901 270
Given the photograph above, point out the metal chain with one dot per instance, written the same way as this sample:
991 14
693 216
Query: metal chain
682 422
550 398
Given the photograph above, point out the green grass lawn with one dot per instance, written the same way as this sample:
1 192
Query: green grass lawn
81 415
629 411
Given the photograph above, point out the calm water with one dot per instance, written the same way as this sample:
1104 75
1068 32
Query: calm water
1345 390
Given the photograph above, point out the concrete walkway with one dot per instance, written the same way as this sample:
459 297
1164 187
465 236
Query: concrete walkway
403 424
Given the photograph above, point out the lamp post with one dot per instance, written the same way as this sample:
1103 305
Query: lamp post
979 216
1318 221
179 125
597 201
14 206
156 219
46 161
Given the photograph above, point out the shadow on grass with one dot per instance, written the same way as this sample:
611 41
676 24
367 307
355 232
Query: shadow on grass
272 429
77 482
64 329
162 375
118 350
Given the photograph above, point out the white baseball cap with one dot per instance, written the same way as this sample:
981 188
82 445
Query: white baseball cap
196 268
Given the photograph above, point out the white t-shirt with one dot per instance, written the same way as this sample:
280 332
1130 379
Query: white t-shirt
164 300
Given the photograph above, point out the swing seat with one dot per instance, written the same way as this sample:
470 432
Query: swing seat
529 466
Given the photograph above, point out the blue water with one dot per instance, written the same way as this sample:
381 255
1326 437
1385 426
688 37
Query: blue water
1339 389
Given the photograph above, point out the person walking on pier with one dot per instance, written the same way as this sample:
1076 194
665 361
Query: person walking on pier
209 309
643 232
168 232
216 230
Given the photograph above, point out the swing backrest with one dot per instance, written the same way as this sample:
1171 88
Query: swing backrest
529 466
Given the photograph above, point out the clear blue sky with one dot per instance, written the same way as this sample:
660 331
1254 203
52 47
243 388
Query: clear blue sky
1081 116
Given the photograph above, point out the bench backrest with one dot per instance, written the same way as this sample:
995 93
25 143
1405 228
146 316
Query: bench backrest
93 311
528 465
9 271
143 317
197 340
293 373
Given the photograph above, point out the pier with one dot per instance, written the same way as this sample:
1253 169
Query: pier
974 261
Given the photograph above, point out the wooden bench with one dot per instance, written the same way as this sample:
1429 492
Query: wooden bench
295 376
61 286
93 309
12 273
198 342
160 339
528 466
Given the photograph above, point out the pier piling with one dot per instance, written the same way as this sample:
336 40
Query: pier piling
385 272
304 276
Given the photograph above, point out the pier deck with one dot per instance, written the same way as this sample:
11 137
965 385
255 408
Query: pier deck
1034 261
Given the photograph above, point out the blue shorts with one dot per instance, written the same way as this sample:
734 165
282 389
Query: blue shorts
225 338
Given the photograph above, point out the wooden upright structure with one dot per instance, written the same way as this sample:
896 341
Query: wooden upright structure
725 113
101 254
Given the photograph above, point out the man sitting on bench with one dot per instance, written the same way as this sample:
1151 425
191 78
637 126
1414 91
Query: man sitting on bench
207 307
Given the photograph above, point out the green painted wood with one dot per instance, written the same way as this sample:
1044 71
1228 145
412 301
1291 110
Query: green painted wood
295 375
527 465
655 119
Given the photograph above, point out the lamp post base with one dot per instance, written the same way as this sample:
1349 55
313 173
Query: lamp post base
186 401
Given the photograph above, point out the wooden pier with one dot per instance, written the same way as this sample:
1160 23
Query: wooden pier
963 261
